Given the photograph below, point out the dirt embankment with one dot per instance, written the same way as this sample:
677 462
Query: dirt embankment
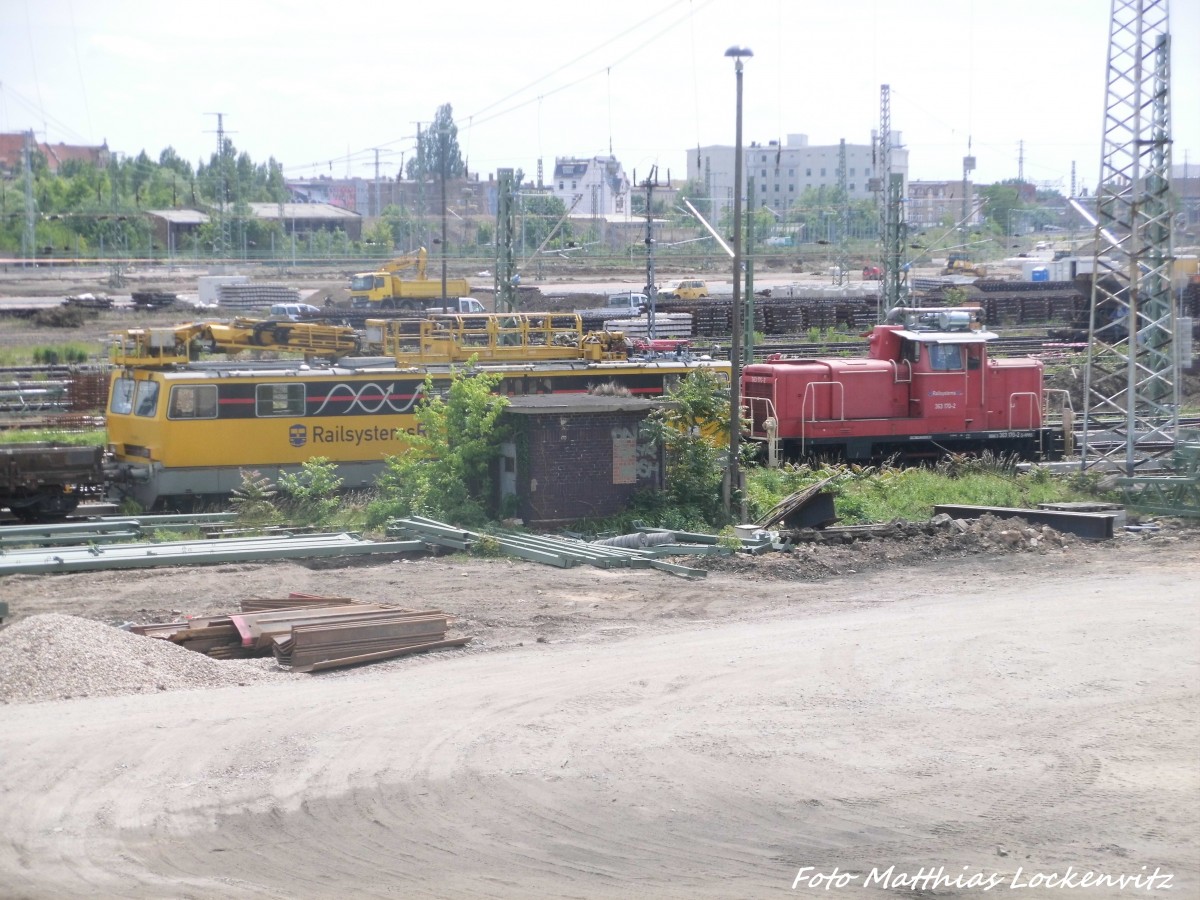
616 733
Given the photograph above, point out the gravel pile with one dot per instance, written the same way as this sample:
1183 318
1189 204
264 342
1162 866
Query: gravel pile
56 657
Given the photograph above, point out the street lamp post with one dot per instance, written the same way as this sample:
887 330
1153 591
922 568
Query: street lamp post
442 148
735 348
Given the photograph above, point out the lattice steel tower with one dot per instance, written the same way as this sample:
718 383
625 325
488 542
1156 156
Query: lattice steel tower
1132 377
506 262
29 234
843 219
889 197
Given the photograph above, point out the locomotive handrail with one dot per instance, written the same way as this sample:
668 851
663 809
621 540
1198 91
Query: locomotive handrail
1032 398
769 410
809 391
1065 417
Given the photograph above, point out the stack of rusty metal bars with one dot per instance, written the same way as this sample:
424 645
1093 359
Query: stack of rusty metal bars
310 633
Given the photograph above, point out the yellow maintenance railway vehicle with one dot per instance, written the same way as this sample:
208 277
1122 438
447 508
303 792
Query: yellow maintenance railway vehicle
182 427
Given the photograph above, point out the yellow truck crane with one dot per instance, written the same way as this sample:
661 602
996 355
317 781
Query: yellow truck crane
385 289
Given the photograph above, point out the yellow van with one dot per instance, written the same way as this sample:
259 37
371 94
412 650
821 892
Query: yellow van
689 289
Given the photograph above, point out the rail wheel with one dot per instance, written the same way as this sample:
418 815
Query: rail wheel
45 505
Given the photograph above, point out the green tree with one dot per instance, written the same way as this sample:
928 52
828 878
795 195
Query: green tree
379 235
313 490
446 473
438 145
540 213
401 224
693 426
999 199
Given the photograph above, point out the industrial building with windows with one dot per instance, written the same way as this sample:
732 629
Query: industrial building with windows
782 173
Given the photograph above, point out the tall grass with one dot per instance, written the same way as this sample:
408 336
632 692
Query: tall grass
93 437
55 354
865 494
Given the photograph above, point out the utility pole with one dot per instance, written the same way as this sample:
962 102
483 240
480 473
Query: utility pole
968 168
442 151
506 265
1131 383
894 288
651 288
1021 161
223 232
29 235
881 184
748 294
421 160
378 196
735 348
843 251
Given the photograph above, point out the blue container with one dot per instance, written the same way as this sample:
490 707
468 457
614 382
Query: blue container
1041 273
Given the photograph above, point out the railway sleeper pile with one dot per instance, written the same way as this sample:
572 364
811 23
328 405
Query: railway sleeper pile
1004 303
714 318
308 633
255 296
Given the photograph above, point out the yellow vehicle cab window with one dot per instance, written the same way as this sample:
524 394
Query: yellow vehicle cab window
122 396
146 399
279 399
195 401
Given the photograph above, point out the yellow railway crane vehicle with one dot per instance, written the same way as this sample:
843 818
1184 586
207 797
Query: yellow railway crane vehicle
184 343
183 429
526 337
386 289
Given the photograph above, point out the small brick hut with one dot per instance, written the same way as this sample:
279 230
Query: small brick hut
576 456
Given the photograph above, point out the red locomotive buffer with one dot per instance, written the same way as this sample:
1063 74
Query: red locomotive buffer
927 387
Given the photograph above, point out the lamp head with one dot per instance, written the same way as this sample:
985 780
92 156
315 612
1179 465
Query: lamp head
739 51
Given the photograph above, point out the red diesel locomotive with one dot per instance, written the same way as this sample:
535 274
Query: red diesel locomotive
927 387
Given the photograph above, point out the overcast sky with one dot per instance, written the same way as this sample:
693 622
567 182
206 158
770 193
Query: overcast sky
322 87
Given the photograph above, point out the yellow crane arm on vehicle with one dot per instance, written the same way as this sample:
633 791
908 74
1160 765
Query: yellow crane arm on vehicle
152 347
401 263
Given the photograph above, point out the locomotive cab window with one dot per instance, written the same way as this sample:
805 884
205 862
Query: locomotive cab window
910 351
197 401
122 396
279 399
145 401
945 357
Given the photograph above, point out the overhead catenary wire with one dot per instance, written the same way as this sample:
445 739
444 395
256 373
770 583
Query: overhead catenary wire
87 111
481 119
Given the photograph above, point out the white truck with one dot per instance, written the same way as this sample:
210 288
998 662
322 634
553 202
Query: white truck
632 302
458 306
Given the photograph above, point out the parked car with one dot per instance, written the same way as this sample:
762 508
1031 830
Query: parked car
294 311
632 301
688 289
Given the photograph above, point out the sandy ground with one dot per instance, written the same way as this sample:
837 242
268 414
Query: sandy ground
634 734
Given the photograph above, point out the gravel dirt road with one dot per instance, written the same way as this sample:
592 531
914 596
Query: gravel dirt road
612 733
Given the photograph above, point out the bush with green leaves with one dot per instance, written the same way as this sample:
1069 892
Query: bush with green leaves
447 472
254 499
66 353
693 426
312 492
